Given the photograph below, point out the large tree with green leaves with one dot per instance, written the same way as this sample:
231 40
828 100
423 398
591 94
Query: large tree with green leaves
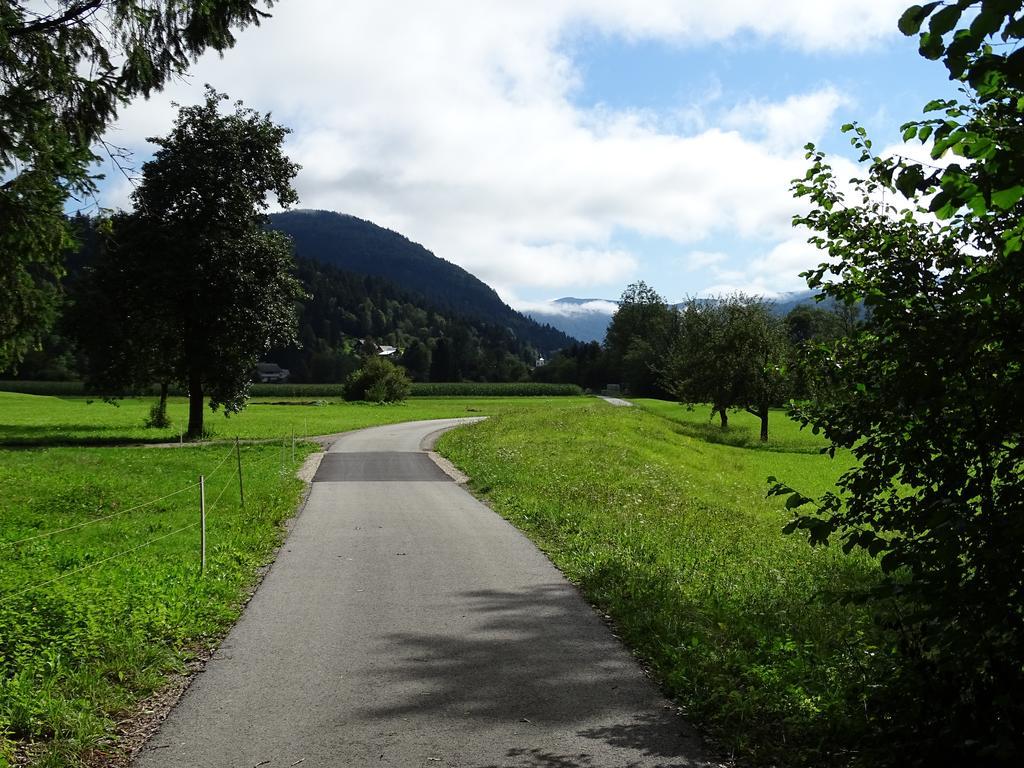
929 392
730 352
638 337
66 67
207 287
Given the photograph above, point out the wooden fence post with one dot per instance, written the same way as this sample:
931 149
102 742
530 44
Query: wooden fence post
241 489
202 524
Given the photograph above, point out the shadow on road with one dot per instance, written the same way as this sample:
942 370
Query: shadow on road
535 660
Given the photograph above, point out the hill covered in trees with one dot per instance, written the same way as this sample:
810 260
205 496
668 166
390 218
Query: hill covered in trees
347 315
362 247
343 317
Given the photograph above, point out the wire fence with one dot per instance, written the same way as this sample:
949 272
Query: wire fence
12 595
235 450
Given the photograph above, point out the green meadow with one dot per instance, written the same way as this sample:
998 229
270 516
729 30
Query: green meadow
27 420
101 593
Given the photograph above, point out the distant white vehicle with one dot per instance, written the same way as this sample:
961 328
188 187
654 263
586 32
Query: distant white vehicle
267 373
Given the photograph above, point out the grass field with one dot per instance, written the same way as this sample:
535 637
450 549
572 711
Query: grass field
40 420
672 535
784 434
96 616
99 633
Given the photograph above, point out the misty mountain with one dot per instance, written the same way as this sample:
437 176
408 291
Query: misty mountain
583 319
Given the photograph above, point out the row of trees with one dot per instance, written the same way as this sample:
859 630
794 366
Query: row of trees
733 352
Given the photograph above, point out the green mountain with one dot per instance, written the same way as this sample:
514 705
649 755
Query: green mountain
362 247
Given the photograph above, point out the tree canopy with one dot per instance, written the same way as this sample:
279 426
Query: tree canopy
638 337
65 70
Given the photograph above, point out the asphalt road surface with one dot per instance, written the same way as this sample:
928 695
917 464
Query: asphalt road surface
406 624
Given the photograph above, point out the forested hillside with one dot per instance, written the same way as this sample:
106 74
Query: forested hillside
345 310
451 328
365 248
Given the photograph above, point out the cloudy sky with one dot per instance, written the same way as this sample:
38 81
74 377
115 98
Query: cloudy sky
569 147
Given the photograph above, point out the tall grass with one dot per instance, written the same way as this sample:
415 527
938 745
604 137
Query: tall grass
494 389
672 535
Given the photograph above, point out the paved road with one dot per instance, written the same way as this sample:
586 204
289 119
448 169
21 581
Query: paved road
616 401
405 624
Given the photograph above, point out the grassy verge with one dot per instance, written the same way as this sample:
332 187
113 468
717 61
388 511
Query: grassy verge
99 633
43 420
671 534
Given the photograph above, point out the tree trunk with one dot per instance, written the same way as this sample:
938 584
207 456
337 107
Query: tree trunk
195 405
724 414
764 420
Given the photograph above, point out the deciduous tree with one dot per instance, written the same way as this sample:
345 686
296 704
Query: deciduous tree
638 337
378 381
215 283
929 393
730 352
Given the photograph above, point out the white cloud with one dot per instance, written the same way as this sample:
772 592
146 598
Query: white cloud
696 260
451 122
823 25
774 272
565 309
790 124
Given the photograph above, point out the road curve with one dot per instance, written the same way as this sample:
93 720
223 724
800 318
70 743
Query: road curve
406 624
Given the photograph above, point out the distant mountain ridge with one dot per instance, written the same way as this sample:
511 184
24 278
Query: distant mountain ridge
363 247
588 319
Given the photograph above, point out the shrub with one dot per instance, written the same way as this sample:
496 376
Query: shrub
158 418
378 381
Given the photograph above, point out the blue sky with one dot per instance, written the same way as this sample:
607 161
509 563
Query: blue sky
884 86
887 84
569 147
